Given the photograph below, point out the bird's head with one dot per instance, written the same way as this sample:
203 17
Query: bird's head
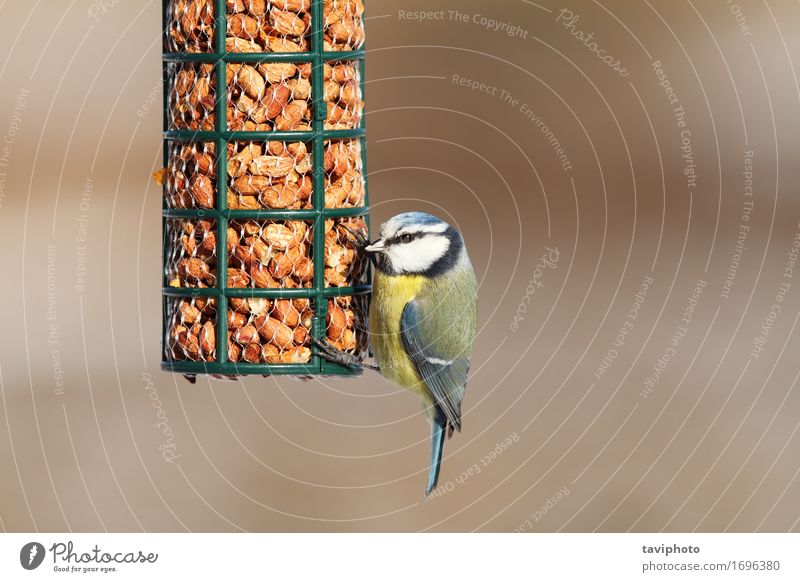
415 243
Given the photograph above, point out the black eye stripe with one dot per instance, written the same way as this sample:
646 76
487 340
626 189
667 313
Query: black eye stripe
407 237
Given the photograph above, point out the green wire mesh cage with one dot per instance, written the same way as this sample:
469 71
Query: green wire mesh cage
264 184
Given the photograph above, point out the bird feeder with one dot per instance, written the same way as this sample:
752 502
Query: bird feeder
264 186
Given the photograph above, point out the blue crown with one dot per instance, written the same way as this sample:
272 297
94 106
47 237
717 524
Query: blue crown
409 218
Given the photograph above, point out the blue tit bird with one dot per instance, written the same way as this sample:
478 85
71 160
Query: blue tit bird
423 319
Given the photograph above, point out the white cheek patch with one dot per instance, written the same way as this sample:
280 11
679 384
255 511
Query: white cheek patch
419 255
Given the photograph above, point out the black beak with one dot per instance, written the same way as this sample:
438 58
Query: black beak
374 251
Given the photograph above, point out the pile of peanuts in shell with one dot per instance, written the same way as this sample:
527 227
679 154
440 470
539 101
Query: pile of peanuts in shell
270 175
192 332
261 26
264 96
260 331
264 254
277 96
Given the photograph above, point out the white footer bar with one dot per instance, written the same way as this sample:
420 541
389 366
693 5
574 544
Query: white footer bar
356 557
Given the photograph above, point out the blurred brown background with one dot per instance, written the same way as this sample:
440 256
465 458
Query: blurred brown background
708 443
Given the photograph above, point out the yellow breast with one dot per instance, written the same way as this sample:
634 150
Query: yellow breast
389 296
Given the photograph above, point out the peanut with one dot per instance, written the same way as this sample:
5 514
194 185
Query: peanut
245 335
336 322
240 161
251 82
203 191
273 331
301 336
251 185
234 351
287 23
252 353
282 197
295 356
300 88
243 26
291 115
240 45
272 166
285 311
280 236
277 72
237 279
293 5
278 44
270 354
261 278
207 339
236 320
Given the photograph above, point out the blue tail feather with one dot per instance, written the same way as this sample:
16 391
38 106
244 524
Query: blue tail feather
438 436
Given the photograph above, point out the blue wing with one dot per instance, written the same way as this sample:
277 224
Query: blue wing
444 374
